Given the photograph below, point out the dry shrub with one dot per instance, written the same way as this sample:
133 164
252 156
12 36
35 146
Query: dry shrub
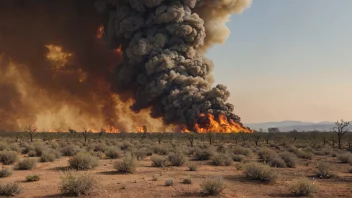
160 150
203 154
221 160
127 165
192 166
47 157
5 172
302 187
113 153
324 170
169 182
31 178
14 147
241 151
260 172
345 158
8 157
159 161
267 154
32 153
277 162
238 158
213 186
187 180
3 146
83 161
141 153
77 183
69 150
177 158
289 159
304 154
10 189
26 164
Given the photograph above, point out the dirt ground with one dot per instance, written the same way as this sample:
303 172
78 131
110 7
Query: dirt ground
140 184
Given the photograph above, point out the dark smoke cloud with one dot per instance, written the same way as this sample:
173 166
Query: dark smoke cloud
34 90
163 43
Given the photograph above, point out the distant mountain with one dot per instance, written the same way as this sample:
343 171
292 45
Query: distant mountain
288 125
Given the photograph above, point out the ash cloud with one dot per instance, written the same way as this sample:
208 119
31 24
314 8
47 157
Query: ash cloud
163 43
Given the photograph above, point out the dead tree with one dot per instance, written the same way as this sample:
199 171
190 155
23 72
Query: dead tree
257 136
72 132
31 130
342 127
85 134
190 138
160 136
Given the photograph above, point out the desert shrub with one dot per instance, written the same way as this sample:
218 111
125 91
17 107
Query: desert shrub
160 150
241 151
302 187
213 186
26 164
3 146
31 178
327 151
289 159
99 154
345 158
127 165
291 148
239 166
155 177
333 154
10 189
69 150
221 149
277 162
99 148
14 147
113 153
324 170
27 148
169 182
192 166
221 160
203 154
187 180
141 153
260 172
47 157
39 149
159 161
177 158
5 172
83 161
304 154
126 146
77 183
267 154
32 153
8 157
238 158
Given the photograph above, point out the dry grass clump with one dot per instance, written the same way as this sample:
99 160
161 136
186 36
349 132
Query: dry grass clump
47 157
289 159
127 165
177 158
5 172
169 182
158 161
192 166
213 186
26 164
8 157
345 158
77 183
238 158
3 146
304 154
324 170
69 150
203 154
241 151
160 150
267 154
113 153
221 160
302 187
14 147
10 189
83 161
141 153
260 172
187 180
32 178
277 162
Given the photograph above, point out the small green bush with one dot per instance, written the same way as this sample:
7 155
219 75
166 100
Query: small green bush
158 161
26 164
77 183
5 172
127 165
302 187
177 158
10 189
260 172
83 161
31 178
213 186
8 157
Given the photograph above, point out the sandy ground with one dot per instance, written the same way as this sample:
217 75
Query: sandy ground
140 184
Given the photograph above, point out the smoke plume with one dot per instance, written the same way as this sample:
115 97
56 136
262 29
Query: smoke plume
55 73
163 44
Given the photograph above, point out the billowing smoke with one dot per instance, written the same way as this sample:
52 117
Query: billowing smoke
55 73
163 44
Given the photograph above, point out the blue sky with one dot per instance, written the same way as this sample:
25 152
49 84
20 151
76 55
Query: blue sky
288 60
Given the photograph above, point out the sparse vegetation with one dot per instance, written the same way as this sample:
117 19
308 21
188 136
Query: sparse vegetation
213 186
260 172
177 158
221 160
31 178
77 183
169 182
345 158
26 164
127 165
159 161
83 161
5 172
324 170
10 189
192 166
302 187
8 157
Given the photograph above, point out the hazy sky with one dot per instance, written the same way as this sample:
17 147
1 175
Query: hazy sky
289 60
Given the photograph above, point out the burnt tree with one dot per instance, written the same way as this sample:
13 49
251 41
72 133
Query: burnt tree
31 130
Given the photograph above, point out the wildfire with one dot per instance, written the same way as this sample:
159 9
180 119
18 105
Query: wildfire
220 125
58 56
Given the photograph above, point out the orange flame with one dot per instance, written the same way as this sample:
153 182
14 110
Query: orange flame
220 125
100 32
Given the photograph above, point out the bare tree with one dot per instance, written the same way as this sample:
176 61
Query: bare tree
85 134
341 128
31 130
190 138
257 135
160 136
72 132
210 137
